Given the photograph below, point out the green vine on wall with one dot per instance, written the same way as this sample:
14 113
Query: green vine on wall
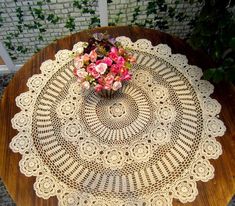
158 13
117 19
135 14
19 14
88 7
1 19
40 19
39 22
70 23
54 19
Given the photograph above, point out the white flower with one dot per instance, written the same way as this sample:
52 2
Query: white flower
116 85
101 68
78 62
81 73
86 85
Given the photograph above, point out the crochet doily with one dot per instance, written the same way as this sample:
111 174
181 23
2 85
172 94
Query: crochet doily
148 144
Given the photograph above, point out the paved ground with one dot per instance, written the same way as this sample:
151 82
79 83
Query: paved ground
5 199
4 80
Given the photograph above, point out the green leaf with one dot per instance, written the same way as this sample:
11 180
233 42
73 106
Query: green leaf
40 38
230 75
171 12
209 73
53 18
218 75
128 65
39 3
70 24
19 48
232 43
41 30
77 4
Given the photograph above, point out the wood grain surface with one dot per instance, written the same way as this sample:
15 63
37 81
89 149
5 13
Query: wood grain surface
216 192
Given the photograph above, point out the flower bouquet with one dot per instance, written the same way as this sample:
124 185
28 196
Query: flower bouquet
103 64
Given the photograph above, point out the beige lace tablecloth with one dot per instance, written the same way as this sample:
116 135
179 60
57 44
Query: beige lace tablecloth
147 145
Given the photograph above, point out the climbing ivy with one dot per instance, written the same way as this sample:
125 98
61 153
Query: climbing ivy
117 19
10 46
158 13
70 24
54 19
88 7
1 19
19 14
135 14
39 22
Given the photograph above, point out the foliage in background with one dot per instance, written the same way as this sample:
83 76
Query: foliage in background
88 7
70 23
214 32
40 19
1 19
117 19
158 13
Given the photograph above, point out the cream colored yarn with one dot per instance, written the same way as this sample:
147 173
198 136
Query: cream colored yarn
149 144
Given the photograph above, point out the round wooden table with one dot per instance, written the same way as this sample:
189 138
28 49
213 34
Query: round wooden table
216 192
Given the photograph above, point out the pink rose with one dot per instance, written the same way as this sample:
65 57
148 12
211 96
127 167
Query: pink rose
85 57
95 74
107 61
109 79
107 86
101 68
101 80
78 62
98 61
90 68
115 68
125 75
93 55
120 60
98 87
114 50
116 85
86 85
113 56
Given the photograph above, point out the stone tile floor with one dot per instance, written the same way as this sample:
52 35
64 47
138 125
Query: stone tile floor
5 199
232 202
4 80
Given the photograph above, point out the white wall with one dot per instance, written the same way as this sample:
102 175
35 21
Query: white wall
64 8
